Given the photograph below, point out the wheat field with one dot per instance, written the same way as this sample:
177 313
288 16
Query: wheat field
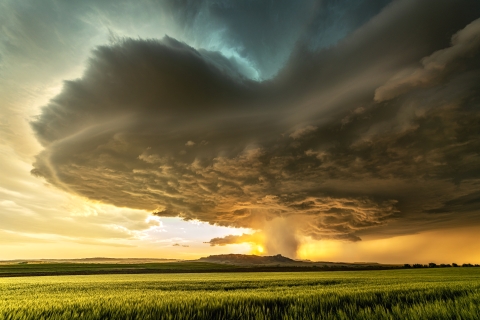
450 293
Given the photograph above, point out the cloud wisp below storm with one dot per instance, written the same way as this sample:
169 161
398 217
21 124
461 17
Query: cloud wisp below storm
346 141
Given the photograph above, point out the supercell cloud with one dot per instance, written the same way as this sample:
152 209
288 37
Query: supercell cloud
343 130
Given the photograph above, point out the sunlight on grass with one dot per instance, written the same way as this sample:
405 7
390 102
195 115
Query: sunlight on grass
452 293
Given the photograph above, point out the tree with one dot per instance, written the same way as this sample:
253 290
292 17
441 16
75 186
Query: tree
432 265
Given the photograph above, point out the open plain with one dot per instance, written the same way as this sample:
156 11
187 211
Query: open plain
447 293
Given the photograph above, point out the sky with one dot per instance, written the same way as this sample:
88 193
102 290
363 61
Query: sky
334 130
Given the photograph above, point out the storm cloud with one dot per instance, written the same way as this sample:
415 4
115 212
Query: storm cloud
376 132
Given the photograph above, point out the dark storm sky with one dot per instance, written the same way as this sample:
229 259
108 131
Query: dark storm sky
342 118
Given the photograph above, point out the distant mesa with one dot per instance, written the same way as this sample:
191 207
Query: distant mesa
278 260
247 259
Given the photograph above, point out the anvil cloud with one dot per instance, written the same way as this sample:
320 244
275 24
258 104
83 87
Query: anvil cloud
330 139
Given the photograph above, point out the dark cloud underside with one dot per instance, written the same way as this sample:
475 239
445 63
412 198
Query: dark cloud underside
380 130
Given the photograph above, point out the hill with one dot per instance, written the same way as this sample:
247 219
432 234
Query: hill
245 259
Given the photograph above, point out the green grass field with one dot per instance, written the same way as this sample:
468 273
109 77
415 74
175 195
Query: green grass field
450 293
55 268
59 268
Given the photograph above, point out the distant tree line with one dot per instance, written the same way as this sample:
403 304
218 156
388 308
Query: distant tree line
434 265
